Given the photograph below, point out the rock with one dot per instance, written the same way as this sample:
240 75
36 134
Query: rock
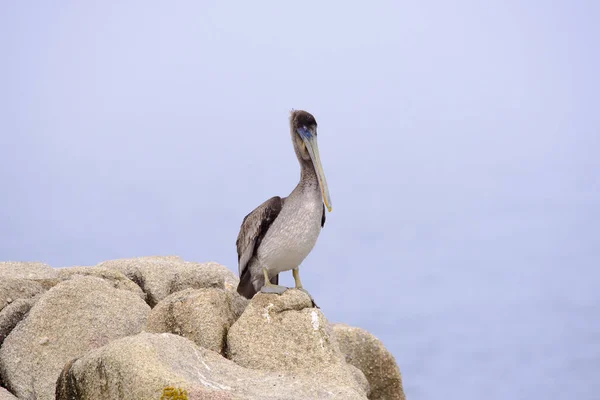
161 276
277 331
284 333
67 321
26 270
12 314
6 395
201 315
150 365
367 353
12 289
116 278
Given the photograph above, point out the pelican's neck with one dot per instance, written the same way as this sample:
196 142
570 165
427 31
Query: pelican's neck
308 176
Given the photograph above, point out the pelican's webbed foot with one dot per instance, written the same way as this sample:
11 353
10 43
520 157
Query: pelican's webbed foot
269 287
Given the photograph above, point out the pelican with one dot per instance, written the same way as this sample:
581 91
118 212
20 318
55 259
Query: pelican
277 235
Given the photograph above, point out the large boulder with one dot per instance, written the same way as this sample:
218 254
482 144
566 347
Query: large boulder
12 289
154 366
6 395
12 314
201 315
26 270
161 276
285 334
116 278
67 321
367 353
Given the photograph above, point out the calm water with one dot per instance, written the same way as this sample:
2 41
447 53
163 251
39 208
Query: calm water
514 331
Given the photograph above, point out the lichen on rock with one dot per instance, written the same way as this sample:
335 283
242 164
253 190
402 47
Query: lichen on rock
171 393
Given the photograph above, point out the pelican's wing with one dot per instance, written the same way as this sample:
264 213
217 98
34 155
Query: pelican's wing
254 228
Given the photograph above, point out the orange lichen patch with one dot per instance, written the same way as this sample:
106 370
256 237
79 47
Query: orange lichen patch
171 393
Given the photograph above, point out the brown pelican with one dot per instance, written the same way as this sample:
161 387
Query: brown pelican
280 233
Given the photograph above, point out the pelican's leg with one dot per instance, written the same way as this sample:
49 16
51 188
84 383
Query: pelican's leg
296 275
269 287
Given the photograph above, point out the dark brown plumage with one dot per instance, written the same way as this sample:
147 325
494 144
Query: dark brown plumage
254 228
303 118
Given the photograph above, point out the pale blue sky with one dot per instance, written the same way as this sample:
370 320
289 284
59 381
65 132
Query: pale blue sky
459 139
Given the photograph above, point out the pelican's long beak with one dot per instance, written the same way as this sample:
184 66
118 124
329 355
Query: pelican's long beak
310 140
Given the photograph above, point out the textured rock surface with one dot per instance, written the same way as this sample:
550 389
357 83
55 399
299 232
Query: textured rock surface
26 270
6 395
161 276
201 315
367 353
67 321
12 314
284 333
12 289
87 322
116 278
143 366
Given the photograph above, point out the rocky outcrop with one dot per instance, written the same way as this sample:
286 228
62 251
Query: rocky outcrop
12 314
161 276
148 366
12 289
284 333
66 322
115 278
367 353
200 341
26 270
16 298
201 315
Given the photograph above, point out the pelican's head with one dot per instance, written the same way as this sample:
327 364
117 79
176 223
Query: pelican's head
304 135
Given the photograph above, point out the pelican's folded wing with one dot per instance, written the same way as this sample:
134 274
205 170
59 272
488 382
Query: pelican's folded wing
254 228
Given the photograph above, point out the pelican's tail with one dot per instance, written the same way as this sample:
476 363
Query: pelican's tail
248 287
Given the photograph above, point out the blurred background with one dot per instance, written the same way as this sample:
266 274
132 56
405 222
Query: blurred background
459 139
